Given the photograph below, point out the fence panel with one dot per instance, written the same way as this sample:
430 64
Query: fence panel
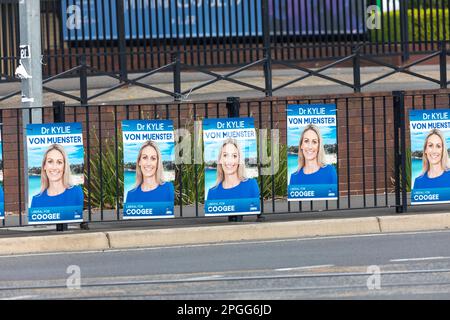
365 154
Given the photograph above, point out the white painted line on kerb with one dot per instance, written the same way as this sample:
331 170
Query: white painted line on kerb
419 259
305 268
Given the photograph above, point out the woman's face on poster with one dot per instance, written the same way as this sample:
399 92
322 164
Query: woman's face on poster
148 162
54 166
433 149
229 159
310 145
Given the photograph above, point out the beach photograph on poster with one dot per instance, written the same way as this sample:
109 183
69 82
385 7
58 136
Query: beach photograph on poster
149 168
231 169
55 158
312 152
2 190
430 167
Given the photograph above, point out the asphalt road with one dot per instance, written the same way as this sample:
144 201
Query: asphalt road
386 266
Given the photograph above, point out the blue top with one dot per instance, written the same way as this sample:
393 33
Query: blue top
245 189
162 193
325 175
70 197
423 182
2 196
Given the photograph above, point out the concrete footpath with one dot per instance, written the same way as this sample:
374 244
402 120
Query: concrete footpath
219 233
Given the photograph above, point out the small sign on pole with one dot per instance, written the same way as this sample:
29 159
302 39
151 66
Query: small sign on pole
25 52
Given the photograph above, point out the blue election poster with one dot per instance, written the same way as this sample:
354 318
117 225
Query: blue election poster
55 173
2 195
312 152
430 169
149 168
231 170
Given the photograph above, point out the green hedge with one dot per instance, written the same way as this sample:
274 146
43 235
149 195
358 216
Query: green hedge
423 25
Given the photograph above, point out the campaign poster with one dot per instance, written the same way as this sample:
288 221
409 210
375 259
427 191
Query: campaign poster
430 170
231 170
55 157
2 195
149 169
312 152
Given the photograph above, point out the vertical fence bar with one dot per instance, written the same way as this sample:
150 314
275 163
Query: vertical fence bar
357 69
374 153
443 64
121 39
84 225
59 116
385 152
233 106
267 49
176 76
404 30
100 169
116 144
400 151
83 81
19 171
348 151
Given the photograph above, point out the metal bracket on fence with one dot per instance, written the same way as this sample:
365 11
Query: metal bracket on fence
226 77
401 204
401 69
311 73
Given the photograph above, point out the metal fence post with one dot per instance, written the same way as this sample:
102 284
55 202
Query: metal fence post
267 49
404 38
122 41
233 105
401 204
83 80
176 76
443 64
356 70
59 116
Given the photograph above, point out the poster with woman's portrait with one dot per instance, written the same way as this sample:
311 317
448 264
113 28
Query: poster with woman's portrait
312 152
231 169
430 167
149 169
2 195
55 157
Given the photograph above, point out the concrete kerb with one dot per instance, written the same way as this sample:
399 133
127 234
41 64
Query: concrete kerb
54 243
98 241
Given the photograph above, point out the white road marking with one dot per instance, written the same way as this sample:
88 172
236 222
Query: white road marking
419 259
305 268
18 298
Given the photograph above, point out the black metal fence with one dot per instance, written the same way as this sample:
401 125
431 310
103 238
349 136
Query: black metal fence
122 36
371 159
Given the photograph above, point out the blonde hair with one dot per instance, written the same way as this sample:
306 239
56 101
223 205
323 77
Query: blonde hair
159 169
444 160
241 165
66 174
320 153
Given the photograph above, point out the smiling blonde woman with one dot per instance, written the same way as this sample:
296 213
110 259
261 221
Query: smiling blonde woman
56 188
231 182
150 185
435 168
311 167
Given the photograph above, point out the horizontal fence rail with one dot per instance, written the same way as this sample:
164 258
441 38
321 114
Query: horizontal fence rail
371 136
129 36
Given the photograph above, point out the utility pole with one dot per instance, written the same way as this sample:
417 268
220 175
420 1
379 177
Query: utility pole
30 72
